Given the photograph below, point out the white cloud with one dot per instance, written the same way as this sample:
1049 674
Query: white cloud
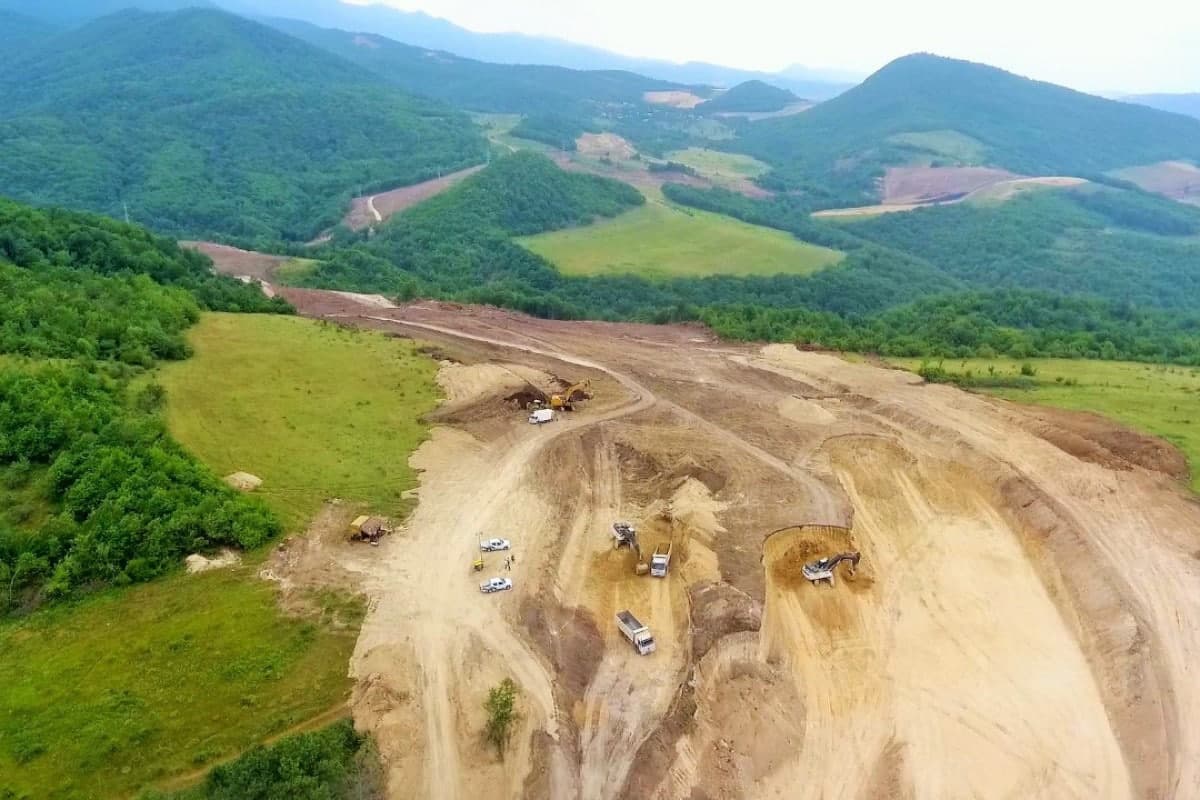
1151 46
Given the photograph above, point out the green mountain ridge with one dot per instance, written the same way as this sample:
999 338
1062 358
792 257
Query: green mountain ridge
200 122
750 96
836 150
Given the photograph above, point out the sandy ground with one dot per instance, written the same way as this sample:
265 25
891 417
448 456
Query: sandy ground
604 145
1024 621
372 209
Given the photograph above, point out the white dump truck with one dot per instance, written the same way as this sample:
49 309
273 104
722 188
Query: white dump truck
660 560
540 416
637 633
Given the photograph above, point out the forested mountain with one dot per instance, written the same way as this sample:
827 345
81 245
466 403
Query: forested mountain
909 109
76 12
202 122
1176 103
18 32
750 96
478 85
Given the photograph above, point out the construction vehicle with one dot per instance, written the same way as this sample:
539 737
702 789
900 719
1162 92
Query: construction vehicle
660 560
541 416
637 633
822 569
493 585
566 401
625 535
369 529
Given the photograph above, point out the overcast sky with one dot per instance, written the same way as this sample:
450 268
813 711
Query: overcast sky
1094 45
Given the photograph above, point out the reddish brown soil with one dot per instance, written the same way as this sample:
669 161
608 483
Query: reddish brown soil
395 201
928 184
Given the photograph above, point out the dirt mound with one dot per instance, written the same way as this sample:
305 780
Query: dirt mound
197 563
568 638
719 610
526 397
1101 441
243 481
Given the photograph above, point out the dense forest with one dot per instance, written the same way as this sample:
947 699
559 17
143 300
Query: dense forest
749 96
131 113
93 491
334 763
836 150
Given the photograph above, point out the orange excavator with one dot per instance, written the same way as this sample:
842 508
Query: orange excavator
566 401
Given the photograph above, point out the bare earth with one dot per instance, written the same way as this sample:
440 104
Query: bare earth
373 209
932 194
755 116
1178 180
1024 622
675 99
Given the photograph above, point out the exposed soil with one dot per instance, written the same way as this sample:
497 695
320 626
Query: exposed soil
374 209
1024 621
929 184
604 145
238 262
753 116
675 99
1178 180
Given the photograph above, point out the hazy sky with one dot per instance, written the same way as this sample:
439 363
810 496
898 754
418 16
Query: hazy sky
1095 45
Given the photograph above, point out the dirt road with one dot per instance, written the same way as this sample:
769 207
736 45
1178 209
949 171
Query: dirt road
376 208
1024 623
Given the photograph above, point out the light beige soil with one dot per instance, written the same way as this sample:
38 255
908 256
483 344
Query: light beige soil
604 145
996 191
1024 622
675 99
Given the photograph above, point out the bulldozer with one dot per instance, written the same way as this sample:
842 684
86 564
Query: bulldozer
822 569
566 401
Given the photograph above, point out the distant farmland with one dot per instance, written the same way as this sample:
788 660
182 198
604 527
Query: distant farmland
661 240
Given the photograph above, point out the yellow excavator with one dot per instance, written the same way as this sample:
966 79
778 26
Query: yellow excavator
566 401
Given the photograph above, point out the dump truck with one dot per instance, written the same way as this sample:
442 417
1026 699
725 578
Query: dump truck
660 560
637 633
540 416
369 529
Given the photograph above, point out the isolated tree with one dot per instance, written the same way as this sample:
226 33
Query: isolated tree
502 714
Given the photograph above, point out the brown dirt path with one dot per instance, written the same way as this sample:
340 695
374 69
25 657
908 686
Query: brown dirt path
1018 609
373 209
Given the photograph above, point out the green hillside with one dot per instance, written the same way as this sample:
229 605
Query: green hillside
749 96
200 122
478 85
19 32
836 150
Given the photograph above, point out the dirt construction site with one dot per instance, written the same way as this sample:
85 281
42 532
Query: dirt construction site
1024 621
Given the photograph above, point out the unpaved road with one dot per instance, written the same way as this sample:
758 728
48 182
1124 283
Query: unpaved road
1024 622
372 209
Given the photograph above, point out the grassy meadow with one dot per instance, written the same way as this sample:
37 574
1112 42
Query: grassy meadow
315 410
716 165
121 690
1158 399
662 240
134 687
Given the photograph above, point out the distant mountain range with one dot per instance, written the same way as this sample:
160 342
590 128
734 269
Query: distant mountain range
200 121
1178 103
422 30
927 109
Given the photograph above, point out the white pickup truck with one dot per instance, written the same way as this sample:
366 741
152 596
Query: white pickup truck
541 416
637 633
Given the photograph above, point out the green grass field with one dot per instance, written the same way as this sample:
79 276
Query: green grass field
716 164
314 410
952 145
1162 400
103 698
661 240
132 687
